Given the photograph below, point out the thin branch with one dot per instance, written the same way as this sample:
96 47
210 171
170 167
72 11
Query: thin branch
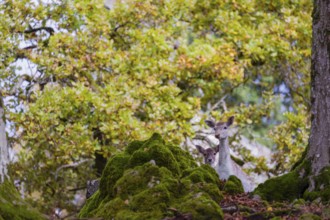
33 30
30 47
77 189
230 209
69 166
120 26
205 138
221 101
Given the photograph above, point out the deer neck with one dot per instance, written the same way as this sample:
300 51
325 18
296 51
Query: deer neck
224 152
227 167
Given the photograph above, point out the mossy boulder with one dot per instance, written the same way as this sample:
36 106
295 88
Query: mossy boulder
301 182
150 179
13 207
283 188
233 186
287 187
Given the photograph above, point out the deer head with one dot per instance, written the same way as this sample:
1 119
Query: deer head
220 128
208 153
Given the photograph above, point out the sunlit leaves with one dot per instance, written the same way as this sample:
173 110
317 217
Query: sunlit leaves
291 139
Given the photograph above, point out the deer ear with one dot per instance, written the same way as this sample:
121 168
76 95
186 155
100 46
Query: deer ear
200 149
210 123
230 120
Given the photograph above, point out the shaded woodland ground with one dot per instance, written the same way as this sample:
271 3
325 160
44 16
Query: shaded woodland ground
244 206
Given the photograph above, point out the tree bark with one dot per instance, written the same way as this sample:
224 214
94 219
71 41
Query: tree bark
4 154
319 142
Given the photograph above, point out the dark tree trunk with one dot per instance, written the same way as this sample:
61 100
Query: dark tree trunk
4 155
319 142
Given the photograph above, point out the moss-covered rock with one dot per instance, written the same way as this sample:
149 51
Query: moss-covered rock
296 184
283 188
233 186
287 187
301 182
13 207
151 178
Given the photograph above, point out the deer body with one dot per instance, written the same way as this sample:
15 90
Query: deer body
227 167
224 165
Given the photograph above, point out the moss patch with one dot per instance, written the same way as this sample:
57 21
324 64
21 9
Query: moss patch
309 216
283 188
151 178
294 184
233 186
13 207
322 187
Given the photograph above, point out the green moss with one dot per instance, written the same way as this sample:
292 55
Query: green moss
200 206
299 202
204 173
134 146
294 185
138 179
158 198
183 157
13 207
276 214
130 215
283 188
322 186
91 205
116 167
210 189
110 208
233 185
161 154
309 216
149 178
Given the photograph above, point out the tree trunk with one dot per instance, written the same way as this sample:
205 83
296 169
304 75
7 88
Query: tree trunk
4 154
319 142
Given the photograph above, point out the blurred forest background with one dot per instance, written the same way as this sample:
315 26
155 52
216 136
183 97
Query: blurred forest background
79 82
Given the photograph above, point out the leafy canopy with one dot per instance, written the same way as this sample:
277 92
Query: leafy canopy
100 78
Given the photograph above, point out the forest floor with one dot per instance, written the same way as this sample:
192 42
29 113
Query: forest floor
246 207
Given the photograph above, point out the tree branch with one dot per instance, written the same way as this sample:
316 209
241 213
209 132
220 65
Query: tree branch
29 47
69 166
221 101
202 137
50 30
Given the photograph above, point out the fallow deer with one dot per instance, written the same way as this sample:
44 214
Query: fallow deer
224 165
